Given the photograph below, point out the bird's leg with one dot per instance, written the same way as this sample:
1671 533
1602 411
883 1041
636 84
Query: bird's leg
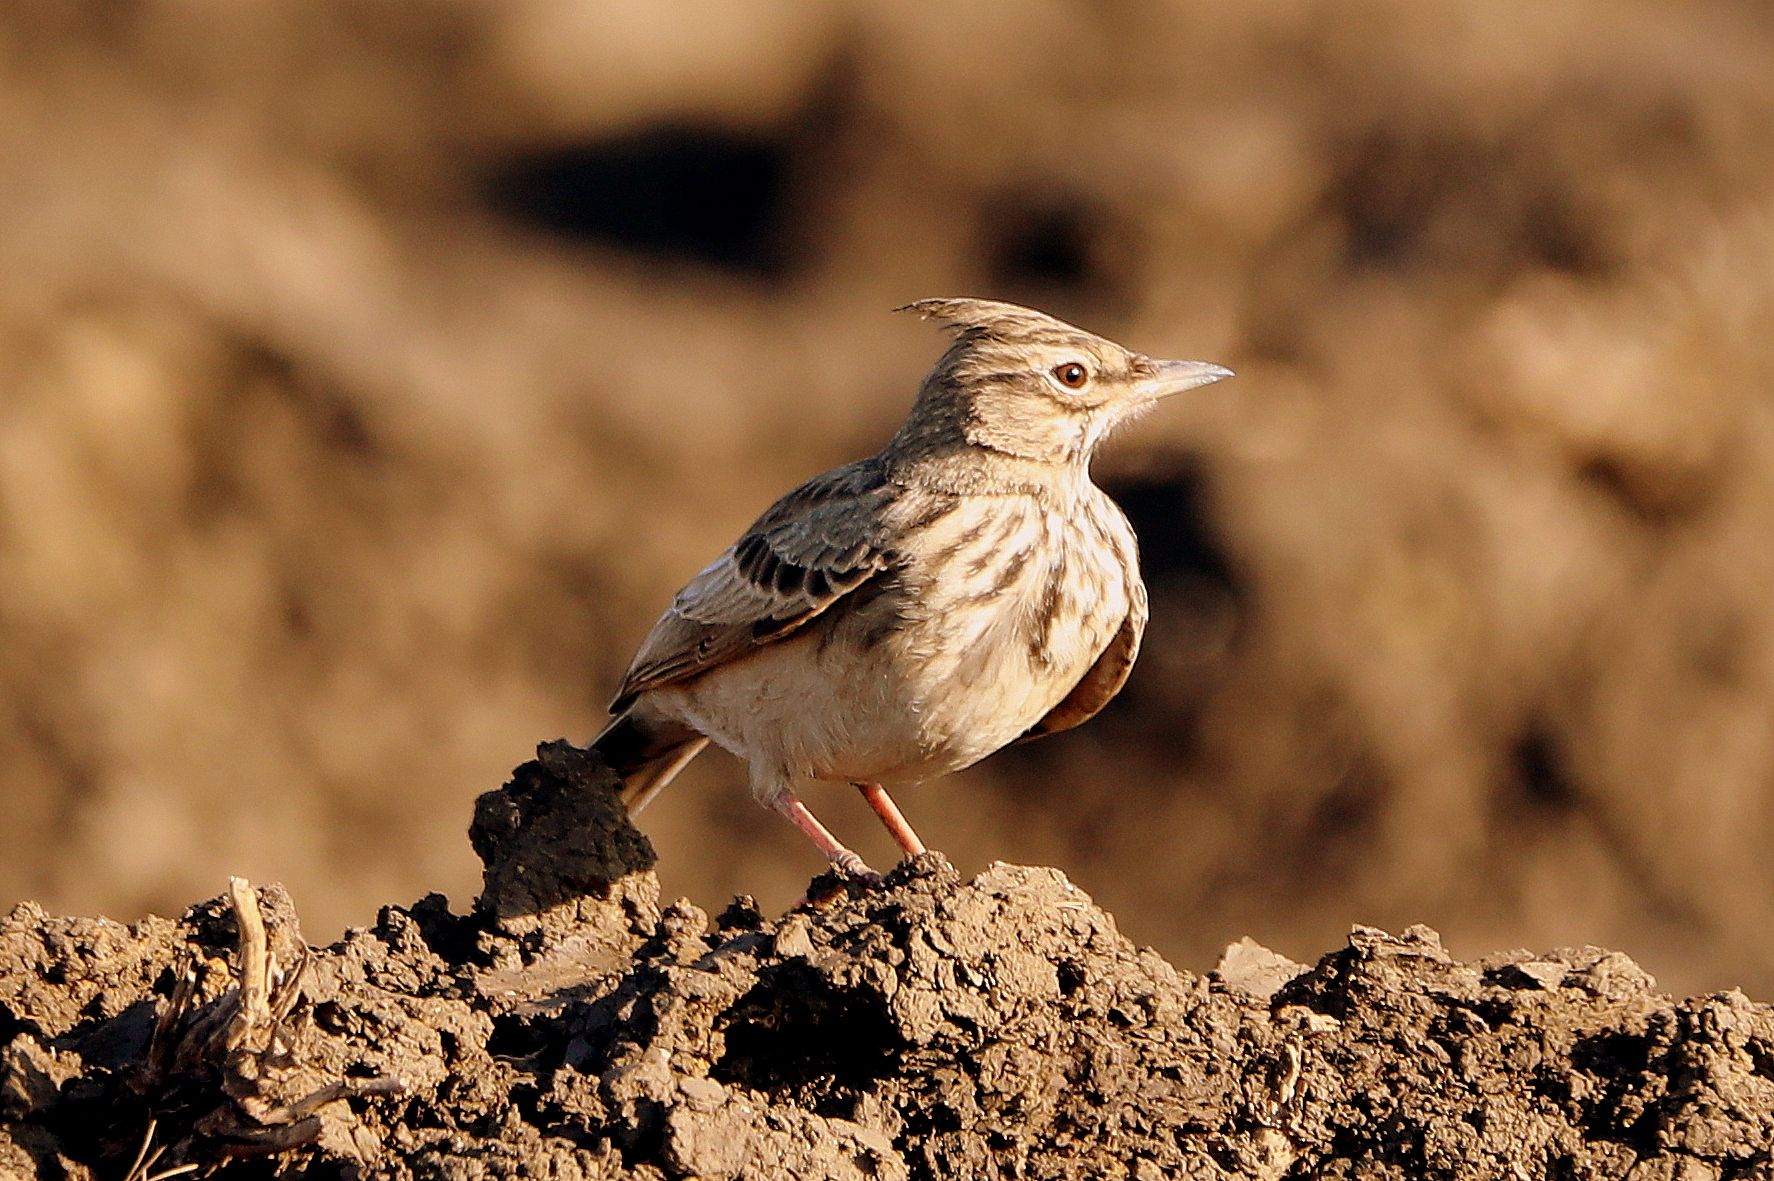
892 817
845 860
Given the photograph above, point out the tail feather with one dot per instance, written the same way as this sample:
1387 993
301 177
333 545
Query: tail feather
646 755
639 789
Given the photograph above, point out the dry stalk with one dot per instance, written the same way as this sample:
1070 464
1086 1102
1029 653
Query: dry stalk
229 1066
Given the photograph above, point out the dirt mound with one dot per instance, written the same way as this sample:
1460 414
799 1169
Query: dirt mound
571 1027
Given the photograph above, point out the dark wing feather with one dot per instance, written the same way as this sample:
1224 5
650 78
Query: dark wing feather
1103 680
813 547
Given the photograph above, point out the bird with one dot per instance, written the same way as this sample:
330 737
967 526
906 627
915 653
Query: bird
904 616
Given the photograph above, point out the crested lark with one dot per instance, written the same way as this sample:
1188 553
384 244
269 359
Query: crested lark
906 615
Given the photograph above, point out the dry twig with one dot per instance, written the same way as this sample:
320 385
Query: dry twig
239 1045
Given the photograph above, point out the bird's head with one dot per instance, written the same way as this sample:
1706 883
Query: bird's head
1021 383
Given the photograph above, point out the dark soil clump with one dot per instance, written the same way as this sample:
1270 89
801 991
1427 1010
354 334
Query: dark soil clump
932 1027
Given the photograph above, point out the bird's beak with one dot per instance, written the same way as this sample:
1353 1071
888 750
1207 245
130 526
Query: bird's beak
1173 377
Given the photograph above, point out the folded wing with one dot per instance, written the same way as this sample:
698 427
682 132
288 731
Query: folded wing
1103 679
814 546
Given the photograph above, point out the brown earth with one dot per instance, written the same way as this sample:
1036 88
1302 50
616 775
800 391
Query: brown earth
934 1026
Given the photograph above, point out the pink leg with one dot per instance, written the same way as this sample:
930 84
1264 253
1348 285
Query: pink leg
892 817
844 859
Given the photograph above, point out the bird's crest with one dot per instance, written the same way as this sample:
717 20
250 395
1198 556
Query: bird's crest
989 317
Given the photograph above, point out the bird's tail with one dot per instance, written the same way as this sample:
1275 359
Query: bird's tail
645 754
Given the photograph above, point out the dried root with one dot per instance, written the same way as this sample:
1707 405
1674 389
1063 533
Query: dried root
227 1070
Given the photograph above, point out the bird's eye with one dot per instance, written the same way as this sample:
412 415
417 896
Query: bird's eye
1072 375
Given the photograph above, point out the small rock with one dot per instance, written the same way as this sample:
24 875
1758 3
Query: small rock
702 1094
31 1076
1548 975
793 940
1252 968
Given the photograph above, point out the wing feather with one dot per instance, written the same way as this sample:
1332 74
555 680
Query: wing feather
1099 684
814 546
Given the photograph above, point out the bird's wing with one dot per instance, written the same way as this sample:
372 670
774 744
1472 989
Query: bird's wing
1103 680
814 546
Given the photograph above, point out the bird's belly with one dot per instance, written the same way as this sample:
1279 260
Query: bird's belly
896 712
961 715
926 699
791 708
976 699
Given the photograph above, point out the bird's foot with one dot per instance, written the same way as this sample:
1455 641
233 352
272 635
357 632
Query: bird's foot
848 870
842 857
848 877
846 862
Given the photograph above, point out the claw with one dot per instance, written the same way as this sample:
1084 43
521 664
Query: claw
849 864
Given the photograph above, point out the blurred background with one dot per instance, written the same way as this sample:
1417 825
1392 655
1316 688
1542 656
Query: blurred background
371 374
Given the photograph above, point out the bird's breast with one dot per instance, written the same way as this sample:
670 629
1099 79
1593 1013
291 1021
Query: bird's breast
1006 606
